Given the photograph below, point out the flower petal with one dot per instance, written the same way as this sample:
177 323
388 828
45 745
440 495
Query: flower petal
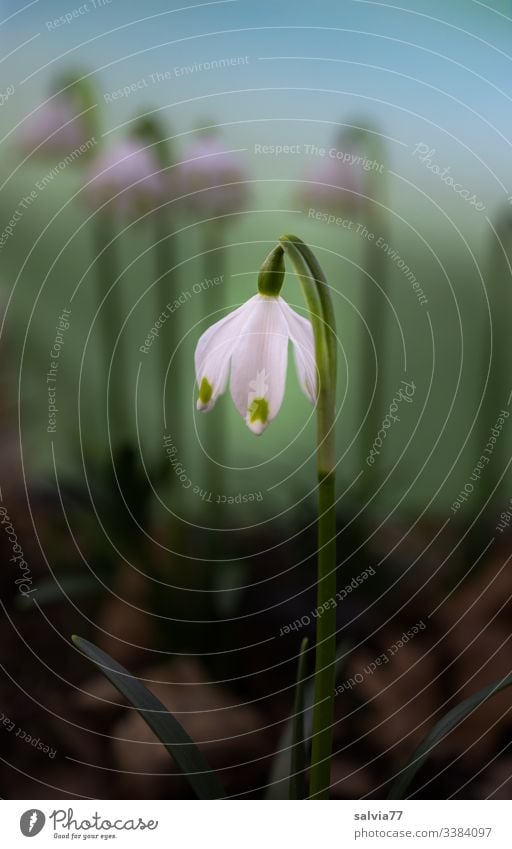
301 334
213 353
259 361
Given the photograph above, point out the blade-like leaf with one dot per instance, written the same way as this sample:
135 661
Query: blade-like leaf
180 746
440 730
298 759
278 783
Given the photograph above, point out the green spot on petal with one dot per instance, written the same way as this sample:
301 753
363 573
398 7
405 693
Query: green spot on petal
205 391
258 411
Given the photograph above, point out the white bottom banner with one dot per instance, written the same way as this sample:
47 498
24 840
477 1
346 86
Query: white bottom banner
248 823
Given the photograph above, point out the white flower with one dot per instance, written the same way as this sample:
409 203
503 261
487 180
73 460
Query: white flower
128 174
253 340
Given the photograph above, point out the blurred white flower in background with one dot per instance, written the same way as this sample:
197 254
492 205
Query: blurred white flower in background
127 174
56 128
253 341
212 178
333 186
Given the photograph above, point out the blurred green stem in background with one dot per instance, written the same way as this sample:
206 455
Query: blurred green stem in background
318 299
367 141
78 89
495 369
113 382
155 134
215 438
373 376
171 333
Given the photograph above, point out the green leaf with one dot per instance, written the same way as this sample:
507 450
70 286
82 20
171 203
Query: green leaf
298 758
278 783
180 746
440 730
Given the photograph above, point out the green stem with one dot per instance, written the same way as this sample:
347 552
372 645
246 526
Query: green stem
155 135
170 333
366 138
323 712
110 320
81 92
297 783
373 311
318 300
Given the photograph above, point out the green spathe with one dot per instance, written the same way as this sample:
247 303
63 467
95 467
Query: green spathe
272 271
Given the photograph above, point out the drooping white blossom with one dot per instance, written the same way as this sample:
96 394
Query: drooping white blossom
250 348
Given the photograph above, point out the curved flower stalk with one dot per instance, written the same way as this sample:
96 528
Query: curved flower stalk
252 343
